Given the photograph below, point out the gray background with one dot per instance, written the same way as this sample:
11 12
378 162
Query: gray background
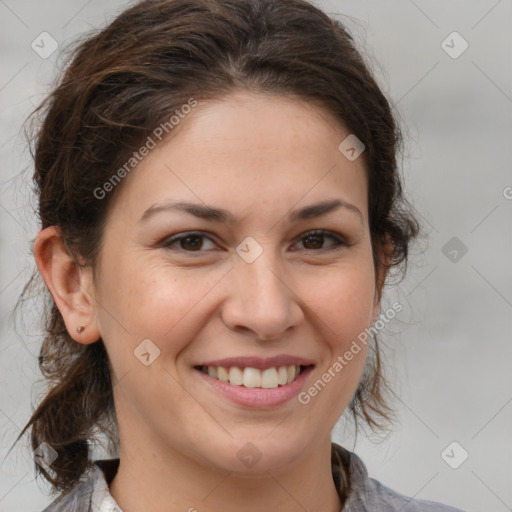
449 351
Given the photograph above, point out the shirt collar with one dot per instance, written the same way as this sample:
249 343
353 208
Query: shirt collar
347 470
102 474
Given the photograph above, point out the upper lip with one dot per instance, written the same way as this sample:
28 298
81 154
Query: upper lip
261 363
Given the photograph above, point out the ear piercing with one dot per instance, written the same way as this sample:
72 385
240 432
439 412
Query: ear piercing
80 329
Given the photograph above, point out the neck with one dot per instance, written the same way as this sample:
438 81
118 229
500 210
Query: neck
150 478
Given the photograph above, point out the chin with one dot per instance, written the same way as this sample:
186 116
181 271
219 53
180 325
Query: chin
258 455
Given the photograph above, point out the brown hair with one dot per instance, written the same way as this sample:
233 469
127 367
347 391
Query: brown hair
118 85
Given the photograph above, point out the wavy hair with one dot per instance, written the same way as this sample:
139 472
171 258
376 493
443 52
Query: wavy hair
122 81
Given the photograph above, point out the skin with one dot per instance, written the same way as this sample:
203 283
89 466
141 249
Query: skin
260 157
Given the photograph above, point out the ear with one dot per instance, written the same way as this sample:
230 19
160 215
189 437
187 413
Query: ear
71 286
385 252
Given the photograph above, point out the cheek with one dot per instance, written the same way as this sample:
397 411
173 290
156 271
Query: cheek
342 301
342 306
159 303
174 301
156 304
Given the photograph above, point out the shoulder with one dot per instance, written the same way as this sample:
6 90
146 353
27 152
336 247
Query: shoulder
381 497
369 495
91 493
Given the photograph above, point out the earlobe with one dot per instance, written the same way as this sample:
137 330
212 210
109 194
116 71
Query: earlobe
71 286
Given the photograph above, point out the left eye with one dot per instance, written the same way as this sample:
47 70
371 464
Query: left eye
193 242
317 238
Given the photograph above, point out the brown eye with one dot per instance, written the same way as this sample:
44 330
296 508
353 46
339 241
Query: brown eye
192 242
314 241
188 242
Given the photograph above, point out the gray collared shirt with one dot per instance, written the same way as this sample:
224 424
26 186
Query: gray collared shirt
92 494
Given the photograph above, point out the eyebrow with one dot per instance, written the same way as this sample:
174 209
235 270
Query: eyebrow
220 215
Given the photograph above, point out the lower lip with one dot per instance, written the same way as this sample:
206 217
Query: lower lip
258 397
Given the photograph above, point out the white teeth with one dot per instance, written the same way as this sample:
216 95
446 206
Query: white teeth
269 378
222 374
253 377
236 377
291 372
282 375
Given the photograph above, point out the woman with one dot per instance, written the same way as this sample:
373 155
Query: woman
220 208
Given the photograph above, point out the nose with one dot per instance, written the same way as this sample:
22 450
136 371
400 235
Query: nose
261 299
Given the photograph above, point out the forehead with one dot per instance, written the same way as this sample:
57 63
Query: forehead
249 147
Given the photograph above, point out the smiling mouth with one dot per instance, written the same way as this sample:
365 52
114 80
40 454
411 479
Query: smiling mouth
249 377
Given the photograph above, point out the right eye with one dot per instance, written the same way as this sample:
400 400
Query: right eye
188 242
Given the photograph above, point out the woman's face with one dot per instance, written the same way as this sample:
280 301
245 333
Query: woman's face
249 288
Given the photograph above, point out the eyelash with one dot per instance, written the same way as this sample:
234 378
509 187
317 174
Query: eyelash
339 242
